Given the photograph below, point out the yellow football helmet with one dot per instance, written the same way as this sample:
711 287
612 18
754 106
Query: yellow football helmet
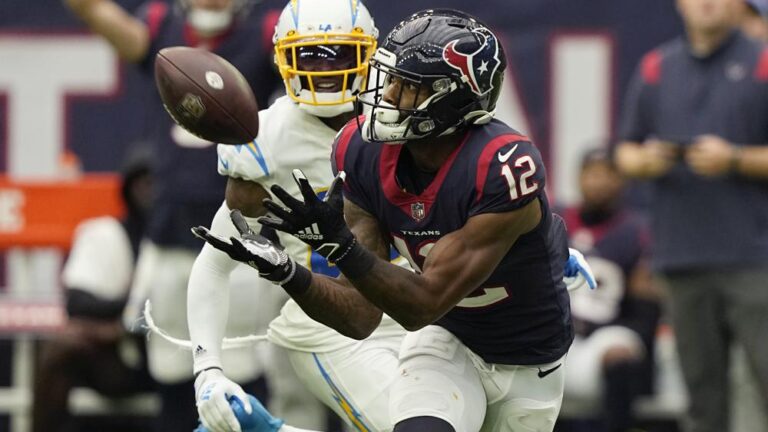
322 48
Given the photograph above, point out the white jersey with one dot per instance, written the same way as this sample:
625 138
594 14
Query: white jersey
288 139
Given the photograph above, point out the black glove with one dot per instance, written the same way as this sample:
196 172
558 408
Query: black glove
318 223
254 249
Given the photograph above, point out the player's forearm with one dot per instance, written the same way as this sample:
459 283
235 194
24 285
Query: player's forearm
751 161
127 35
333 303
402 294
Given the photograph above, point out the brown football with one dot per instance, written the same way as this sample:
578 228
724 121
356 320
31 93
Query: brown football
206 95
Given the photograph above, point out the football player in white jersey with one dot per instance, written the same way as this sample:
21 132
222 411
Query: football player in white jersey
322 49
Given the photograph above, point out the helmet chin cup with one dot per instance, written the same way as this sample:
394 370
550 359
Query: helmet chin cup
388 134
381 125
327 111
387 113
326 104
387 126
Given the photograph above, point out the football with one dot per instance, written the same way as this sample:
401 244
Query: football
206 95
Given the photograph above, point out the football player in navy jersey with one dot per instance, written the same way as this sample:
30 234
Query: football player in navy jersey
461 195
184 188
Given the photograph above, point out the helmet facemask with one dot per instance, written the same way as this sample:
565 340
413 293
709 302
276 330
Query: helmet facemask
324 72
447 106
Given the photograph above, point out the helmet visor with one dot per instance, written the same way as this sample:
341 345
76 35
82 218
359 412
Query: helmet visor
313 58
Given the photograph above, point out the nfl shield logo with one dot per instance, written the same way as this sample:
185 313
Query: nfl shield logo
191 107
417 211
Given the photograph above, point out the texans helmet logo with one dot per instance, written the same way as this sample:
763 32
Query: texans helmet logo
478 67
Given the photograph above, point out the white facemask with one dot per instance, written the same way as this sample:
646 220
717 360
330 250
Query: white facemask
386 125
208 21
326 111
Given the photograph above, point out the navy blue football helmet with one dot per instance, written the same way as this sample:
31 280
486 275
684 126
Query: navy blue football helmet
452 56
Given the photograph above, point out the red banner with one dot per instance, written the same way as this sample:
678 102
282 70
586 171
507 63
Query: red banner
45 213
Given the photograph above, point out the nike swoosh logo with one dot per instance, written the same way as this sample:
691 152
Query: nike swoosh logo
503 157
543 373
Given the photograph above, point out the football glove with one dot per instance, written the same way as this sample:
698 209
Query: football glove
253 249
578 273
213 392
259 420
318 223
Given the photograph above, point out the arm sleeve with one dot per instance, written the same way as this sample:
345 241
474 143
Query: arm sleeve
208 294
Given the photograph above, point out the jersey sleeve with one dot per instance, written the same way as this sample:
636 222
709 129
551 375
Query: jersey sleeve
636 124
252 161
344 158
510 174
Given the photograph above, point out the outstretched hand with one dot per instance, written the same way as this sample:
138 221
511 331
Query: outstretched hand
577 272
317 222
253 249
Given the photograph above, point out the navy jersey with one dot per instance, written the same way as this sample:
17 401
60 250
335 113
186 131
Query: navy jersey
188 188
520 314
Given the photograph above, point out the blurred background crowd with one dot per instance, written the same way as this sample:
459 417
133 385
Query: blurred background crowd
649 115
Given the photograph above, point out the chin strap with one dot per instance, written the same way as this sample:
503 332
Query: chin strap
480 117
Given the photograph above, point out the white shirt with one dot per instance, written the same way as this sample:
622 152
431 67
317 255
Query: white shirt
101 259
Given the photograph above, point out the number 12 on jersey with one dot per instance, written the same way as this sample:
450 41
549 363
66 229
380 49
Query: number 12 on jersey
525 185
